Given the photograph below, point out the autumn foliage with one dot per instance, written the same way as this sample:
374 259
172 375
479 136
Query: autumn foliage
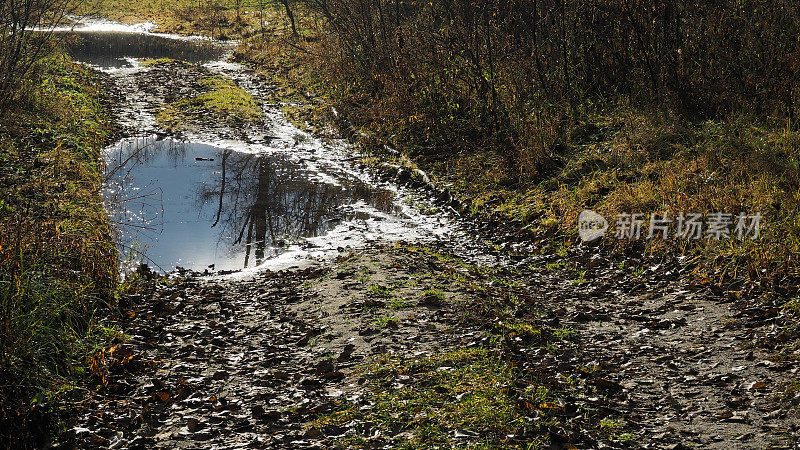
512 74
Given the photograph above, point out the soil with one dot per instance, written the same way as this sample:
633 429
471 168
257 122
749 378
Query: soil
254 362
251 363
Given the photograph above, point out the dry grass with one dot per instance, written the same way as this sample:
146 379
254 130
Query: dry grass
58 264
292 64
219 19
611 159
643 163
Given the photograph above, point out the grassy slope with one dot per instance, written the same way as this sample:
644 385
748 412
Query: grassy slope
615 159
57 261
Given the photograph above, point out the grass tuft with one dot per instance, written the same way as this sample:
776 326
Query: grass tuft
223 100
463 392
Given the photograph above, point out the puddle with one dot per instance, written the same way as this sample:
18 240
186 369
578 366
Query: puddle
197 205
119 49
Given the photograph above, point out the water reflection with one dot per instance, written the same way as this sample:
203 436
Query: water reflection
196 205
113 49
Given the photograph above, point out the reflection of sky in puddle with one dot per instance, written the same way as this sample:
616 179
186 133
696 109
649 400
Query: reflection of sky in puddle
193 205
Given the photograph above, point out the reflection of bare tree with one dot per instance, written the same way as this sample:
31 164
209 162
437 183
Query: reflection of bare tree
122 190
135 208
225 155
256 203
264 200
132 152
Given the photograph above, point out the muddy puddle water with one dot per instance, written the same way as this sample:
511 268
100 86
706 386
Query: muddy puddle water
118 49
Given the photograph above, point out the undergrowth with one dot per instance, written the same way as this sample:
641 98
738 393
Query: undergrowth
58 265
609 157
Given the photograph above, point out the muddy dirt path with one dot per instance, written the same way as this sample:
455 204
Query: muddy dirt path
253 362
681 363
231 364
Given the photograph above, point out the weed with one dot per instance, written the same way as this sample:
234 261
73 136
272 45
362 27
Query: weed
397 303
463 389
580 277
432 297
564 334
379 290
610 424
387 321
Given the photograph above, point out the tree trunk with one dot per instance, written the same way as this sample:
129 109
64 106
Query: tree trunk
290 15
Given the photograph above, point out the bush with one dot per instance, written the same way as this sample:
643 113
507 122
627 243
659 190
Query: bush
516 75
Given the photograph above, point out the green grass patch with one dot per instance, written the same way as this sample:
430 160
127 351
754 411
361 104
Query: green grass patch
461 392
397 303
223 100
387 321
153 62
58 264
379 290
431 296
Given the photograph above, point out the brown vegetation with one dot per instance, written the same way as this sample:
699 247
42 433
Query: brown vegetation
536 110
58 265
